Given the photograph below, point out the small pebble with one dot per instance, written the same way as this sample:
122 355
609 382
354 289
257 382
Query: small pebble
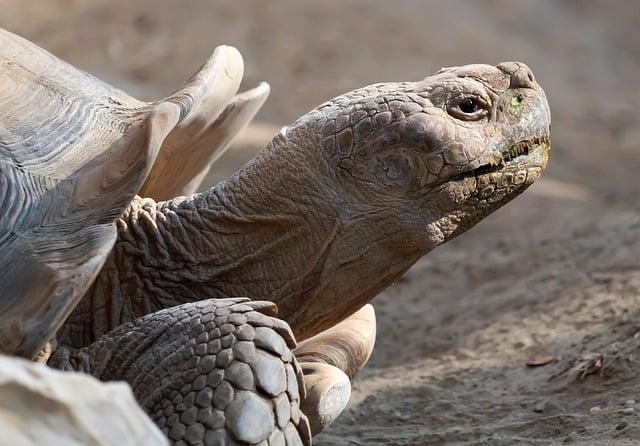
595 410
621 425
630 403
628 410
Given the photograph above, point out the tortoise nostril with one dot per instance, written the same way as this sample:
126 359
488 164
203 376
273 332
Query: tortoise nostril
520 74
523 78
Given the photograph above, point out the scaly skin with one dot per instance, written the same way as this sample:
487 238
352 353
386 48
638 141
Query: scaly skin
195 368
338 206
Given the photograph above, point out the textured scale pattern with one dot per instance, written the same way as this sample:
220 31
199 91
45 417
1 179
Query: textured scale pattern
369 119
73 152
214 372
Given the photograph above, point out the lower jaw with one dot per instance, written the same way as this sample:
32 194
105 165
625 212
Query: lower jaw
471 199
466 201
501 185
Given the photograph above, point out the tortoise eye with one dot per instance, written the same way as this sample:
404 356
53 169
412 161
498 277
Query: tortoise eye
469 108
468 105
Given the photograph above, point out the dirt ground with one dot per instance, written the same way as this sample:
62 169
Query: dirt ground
552 279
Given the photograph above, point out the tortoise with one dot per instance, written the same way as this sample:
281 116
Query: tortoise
115 266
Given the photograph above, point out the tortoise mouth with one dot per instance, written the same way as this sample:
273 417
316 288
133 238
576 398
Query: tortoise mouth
521 155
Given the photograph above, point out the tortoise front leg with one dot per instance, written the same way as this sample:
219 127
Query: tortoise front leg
217 371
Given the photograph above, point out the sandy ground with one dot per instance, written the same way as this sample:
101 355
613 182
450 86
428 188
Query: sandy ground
553 278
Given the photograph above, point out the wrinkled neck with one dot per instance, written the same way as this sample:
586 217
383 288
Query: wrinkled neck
264 233
277 231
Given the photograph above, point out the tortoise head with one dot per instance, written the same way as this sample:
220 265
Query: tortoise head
407 166
438 154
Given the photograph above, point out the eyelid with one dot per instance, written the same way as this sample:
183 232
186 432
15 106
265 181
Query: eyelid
454 110
482 101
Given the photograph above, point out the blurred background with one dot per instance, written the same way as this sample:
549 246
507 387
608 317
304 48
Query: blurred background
555 273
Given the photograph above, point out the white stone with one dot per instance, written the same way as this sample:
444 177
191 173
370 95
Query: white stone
42 406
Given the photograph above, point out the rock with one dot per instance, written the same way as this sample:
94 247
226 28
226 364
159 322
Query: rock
539 407
571 438
548 406
621 425
249 418
39 405
595 410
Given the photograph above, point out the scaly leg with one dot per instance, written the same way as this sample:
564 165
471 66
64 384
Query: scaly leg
214 372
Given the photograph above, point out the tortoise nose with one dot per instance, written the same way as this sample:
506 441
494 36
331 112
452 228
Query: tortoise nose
521 75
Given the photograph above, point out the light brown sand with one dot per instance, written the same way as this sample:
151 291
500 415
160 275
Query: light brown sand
554 275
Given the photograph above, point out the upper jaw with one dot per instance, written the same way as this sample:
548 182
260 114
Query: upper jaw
526 153
521 152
